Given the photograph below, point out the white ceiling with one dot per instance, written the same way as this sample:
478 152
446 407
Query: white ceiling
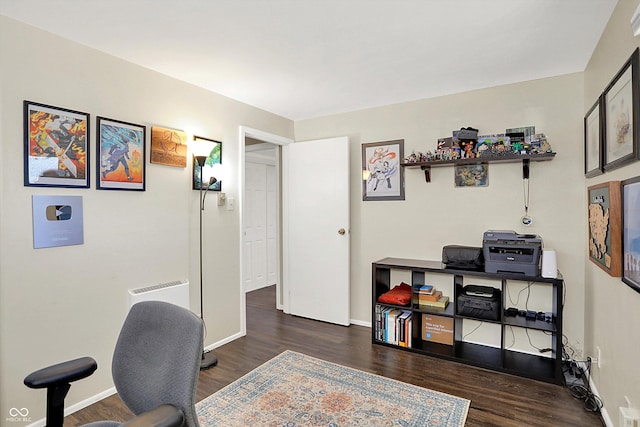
308 58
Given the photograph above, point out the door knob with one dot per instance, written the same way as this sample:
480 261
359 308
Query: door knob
341 231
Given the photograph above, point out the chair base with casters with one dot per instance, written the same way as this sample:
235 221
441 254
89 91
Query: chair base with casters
155 368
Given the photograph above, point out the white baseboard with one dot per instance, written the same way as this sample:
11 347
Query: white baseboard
360 323
605 414
224 341
80 405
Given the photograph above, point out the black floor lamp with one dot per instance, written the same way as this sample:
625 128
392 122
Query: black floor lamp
209 359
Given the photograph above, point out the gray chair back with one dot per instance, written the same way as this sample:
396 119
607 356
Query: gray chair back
157 358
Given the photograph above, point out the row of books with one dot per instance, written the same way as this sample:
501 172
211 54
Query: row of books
393 325
427 296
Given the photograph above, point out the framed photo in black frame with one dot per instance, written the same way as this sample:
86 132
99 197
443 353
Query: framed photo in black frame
382 175
631 232
593 140
215 157
120 155
56 146
620 108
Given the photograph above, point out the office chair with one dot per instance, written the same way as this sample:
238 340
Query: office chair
155 368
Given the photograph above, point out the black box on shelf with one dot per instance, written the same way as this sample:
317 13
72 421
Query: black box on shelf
482 302
463 257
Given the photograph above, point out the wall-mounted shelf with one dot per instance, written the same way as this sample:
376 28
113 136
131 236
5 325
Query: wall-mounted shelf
524 158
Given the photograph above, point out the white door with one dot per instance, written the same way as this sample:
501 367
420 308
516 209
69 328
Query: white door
316 229
255 227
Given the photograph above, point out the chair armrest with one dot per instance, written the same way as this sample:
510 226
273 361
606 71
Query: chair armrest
62 373
162 416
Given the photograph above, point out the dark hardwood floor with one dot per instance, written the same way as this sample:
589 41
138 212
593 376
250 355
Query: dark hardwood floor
496 399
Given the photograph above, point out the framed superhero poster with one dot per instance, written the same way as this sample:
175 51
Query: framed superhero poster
382 176
56 146
121 155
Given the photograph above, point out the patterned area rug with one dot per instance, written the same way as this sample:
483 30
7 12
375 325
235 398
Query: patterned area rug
293 390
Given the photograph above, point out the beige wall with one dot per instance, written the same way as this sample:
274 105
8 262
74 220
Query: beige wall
67 302
611 307
437 214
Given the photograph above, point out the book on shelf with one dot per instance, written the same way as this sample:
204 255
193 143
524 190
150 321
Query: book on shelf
378 321
422 299
393 325
382 314
441 303
423 289
401 328
389 320
420 291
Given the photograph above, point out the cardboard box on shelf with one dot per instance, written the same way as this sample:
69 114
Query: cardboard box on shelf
437 329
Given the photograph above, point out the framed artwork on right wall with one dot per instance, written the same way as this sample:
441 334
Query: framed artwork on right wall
631 232
605 233
621 101
593 140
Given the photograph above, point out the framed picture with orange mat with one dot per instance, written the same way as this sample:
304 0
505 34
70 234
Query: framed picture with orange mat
605 229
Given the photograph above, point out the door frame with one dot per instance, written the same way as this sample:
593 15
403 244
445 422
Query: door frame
247 132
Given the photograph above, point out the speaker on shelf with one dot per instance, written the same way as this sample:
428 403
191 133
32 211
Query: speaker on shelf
549 264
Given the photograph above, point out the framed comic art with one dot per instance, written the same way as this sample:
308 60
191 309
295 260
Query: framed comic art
120 155
605 231
56 146
593 140
476 175
621 108
214 158
631 232
382 176
168 147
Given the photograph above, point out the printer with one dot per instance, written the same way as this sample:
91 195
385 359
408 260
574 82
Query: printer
510 252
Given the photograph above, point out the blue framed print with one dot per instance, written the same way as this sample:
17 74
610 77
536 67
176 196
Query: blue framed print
631 232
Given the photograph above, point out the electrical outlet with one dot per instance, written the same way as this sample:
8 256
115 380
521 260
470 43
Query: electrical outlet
629 417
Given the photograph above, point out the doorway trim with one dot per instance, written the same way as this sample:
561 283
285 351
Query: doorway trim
247 132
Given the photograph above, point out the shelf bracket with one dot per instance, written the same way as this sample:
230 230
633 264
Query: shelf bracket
427 173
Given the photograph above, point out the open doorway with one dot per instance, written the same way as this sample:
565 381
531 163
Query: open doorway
261 217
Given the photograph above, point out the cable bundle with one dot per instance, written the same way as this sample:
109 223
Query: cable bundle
592 402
